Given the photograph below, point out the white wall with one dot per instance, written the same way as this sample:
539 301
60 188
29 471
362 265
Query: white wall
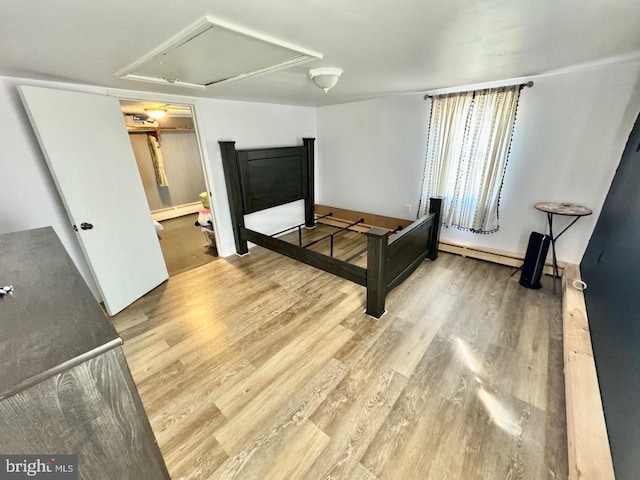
370 154
252 125
30 199
28 195
570 132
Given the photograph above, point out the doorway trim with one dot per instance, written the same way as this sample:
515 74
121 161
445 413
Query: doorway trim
192 102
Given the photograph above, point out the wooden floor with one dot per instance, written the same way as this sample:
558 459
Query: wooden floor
264 368
183 245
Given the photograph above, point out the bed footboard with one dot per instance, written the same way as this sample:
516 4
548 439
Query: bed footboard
391 260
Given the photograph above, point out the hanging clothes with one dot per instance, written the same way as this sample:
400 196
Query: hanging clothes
158 162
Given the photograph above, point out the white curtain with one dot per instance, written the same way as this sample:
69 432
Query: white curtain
467 152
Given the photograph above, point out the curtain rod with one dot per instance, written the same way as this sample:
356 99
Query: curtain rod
527 84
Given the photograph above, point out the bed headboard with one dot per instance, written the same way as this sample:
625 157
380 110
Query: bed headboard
258 179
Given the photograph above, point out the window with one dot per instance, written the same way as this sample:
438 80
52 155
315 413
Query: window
467 152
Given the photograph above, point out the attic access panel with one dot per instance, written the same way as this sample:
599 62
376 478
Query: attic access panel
211 53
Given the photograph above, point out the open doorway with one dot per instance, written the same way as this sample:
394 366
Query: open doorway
168 156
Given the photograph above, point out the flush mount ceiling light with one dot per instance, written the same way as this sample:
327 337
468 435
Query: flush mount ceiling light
211 52
156 113
325 78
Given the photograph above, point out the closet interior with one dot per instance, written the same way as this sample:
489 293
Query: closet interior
165 145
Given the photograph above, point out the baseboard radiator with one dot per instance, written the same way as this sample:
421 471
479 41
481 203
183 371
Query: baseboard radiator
496 256
177 211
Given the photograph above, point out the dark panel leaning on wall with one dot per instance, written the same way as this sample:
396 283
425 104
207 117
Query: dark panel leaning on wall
611 268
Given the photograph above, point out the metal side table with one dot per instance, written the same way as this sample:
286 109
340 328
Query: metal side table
566 210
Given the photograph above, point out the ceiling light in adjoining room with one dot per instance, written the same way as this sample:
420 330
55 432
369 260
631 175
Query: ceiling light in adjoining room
325 78
156 113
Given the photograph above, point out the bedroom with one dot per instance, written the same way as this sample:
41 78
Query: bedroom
573 124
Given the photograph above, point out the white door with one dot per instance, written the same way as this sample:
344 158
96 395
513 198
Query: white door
86 145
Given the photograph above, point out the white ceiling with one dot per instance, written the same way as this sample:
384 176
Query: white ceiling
384 47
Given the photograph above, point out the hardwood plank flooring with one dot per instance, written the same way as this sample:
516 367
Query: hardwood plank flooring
346 243
264 368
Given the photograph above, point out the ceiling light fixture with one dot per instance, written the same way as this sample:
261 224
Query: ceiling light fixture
156 113
325 78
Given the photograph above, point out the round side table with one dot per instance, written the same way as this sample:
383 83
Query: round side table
566 210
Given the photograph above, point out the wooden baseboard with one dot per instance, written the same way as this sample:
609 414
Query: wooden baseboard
587 440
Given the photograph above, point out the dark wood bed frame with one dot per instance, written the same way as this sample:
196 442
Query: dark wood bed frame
258 179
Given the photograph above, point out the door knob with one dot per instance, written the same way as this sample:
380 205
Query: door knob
86 226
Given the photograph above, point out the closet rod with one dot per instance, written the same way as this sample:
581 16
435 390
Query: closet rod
166 129
527 84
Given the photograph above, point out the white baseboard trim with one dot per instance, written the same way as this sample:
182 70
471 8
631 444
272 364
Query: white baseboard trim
174 212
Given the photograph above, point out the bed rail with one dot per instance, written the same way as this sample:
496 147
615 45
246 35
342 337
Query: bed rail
389 260
337 267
